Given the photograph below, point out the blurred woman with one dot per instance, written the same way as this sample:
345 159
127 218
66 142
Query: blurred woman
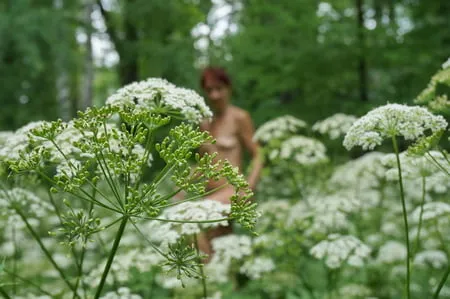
232 128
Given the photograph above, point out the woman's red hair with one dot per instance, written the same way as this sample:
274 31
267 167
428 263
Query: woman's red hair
215 73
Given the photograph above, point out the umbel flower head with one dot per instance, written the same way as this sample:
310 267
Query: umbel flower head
389 121
338 249
302 150
278 128
334 126
160 96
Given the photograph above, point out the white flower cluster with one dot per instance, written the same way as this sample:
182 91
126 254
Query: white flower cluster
338 249
32 296
366 172
216 295
431 211
446 64
121 293
226 249
204 210
255 268
302 150
391 252
279 127
414 166
4 135
354 291
16 142
298 213
434 258
330 212
141 259
272 211
389 121
155 94
335 126
24 200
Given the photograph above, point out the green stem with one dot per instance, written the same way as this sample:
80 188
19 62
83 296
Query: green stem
111 255
416 247
15 259
185 221
307 286
191 198
438 164
205 292
405 220
4 294
296 184
83 252
441 283
88 199
440 237
46 252
36 286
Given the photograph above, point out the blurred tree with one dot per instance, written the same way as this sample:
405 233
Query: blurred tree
38 60
316 58
153 38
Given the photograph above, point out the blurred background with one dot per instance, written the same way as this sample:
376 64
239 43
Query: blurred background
307 58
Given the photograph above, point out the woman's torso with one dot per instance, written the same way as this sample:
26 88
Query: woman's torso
225 130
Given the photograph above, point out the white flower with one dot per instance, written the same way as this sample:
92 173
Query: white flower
15 143
4 135
141 259
389 121
279 127
414 166
338 249
159 95
434 258
335 125
226 249
271 211
365 172
431 210
254 268
24 200
121 293
216 295
391 252
446 64
167 233
302 150
354 290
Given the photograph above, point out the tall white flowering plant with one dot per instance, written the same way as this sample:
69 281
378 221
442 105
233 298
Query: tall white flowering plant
393 121
284 148
96 164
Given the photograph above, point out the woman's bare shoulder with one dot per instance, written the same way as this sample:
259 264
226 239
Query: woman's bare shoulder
240 114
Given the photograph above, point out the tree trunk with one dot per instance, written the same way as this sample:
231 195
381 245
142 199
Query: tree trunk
126 46
362 63
88 72
62 80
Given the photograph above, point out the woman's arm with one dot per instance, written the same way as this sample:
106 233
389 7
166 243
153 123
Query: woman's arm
246 135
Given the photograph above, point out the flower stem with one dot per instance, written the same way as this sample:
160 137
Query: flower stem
405 220
29 282
205 292
416 247
46 252
111 255
3 293
441 283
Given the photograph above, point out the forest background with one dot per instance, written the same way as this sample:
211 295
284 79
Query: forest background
307 58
